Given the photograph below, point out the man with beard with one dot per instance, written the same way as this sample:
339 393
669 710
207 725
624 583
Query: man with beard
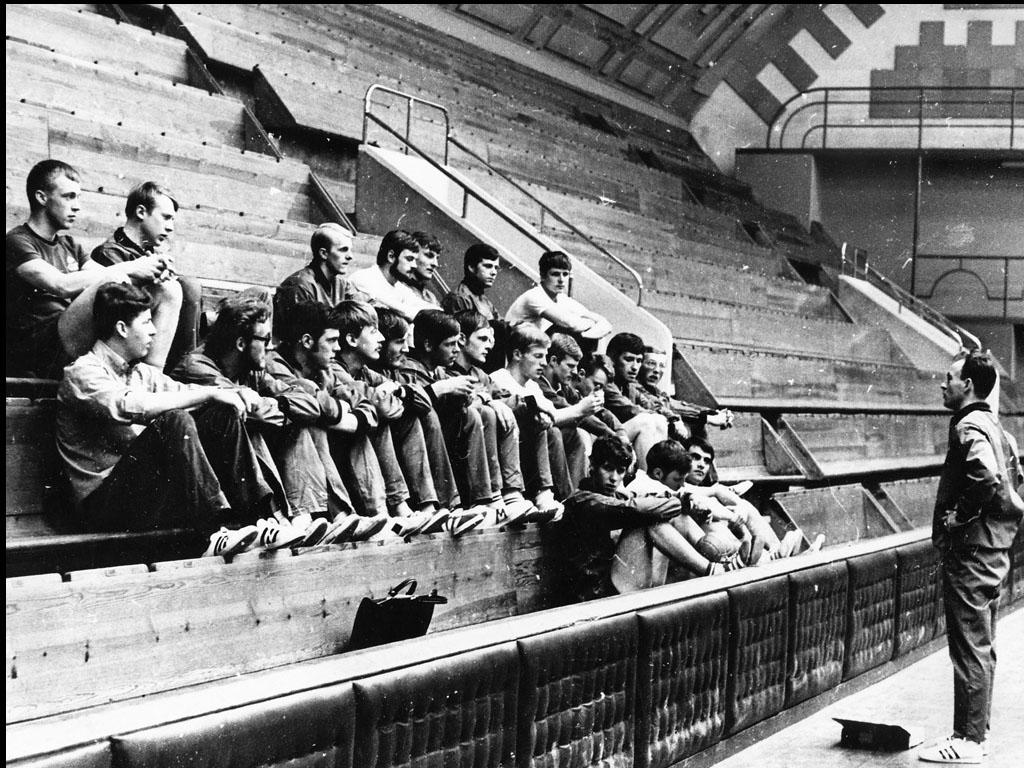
51 282
150 214
143 451
323 279
290 419
389 283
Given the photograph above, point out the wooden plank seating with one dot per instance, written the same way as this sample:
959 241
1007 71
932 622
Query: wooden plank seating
98 39
104 94
190 624
843 513
745 451
745 378
848 444
914 498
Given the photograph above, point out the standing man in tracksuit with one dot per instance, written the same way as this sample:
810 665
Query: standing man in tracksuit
977 512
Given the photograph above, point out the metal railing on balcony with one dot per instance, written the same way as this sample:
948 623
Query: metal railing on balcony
900 117
467 192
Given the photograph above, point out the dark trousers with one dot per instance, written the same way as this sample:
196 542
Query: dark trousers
189 470
971 580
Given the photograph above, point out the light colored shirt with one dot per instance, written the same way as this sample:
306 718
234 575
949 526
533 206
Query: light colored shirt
531 305
503 379
645 485
100 413
400 297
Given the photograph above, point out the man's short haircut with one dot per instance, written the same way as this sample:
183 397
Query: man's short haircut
523 337
433 326
237 317
322 237
553 260
563 345
649 350
115 302
470 321
699 442
394 242
428 242
622 343
391 324
609 451
44 175
596 361
981 370
310 317
668 456
351 317
145 194
476 253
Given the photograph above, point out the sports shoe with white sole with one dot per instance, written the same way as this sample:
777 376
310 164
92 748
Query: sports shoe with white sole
953 751
341 529
225 542
515 513
436 520
276 535
408 526
314 532
464 523
369 526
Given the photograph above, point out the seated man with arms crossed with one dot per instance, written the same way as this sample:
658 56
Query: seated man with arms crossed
641 418
289 421
150 213
401 432
51 282
549 307
389 283
480 266
143 451
599 507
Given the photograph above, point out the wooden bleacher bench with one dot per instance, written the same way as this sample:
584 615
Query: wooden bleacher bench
41 535
843 513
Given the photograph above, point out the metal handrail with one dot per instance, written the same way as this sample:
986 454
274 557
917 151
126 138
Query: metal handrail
467 192
959 334
557 217
916 97
412 102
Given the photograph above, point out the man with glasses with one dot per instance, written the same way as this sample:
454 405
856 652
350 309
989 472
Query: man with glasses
285 422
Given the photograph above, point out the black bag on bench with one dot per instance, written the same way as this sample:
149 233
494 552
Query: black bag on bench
400 615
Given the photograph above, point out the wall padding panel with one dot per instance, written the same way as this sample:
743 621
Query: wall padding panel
313 729
871 617
917 602
93 756
458 712
758 644
577 697
817 631
681 679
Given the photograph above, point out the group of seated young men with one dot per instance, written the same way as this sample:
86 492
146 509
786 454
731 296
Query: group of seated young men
380 411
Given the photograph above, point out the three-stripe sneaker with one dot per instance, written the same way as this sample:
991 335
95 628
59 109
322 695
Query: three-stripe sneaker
226 542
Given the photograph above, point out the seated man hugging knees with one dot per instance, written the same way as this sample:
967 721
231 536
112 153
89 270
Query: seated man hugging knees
288 420
600 506
143 451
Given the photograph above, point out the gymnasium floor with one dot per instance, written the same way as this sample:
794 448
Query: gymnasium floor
919 697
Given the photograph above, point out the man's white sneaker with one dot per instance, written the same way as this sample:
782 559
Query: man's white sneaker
369 526
276 535
515 513
953 751
314 532
225 542
471 518
409 525
341 529
436 520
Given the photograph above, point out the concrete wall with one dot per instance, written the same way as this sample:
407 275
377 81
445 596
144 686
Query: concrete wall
786 182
